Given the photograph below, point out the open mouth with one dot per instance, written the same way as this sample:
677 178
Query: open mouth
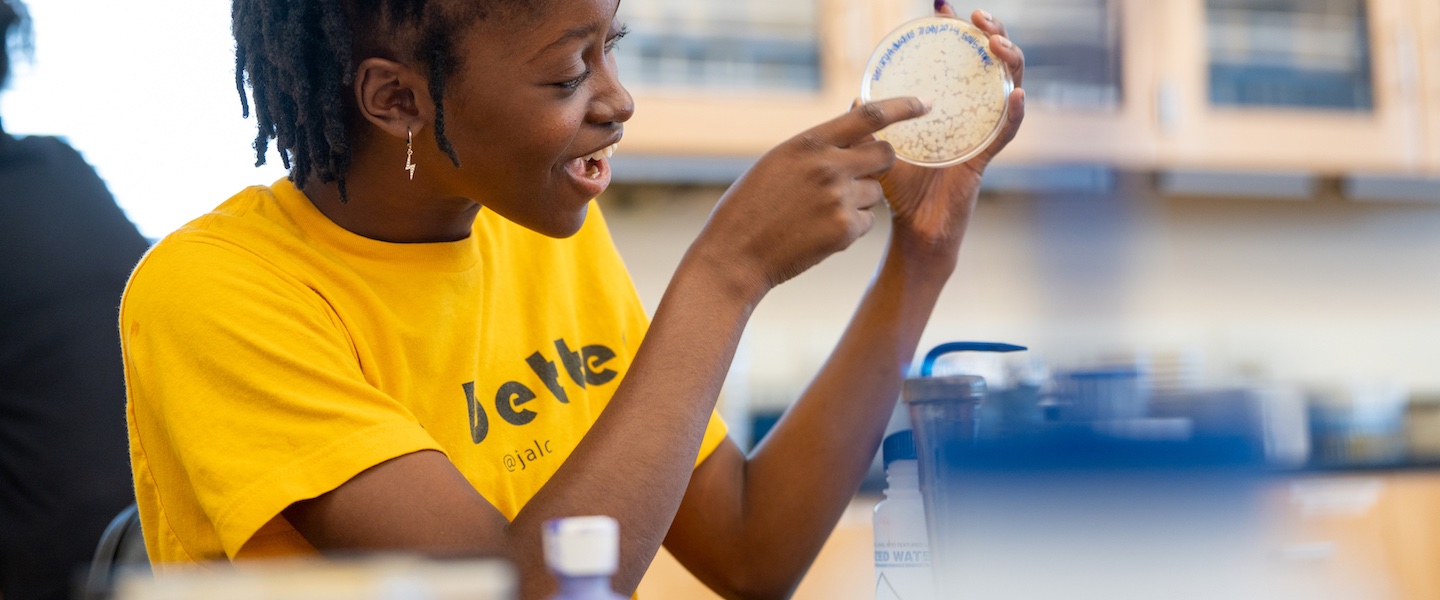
593 165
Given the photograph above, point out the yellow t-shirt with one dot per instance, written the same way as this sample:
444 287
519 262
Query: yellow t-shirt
271 355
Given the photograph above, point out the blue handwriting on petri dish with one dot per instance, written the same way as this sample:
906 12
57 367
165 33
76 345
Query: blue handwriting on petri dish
910 36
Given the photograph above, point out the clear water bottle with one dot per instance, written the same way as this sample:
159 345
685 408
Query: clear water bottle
902 542
584 553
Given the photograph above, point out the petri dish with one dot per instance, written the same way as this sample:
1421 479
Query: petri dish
949 61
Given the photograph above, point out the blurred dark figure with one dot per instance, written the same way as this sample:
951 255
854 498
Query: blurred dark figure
66 251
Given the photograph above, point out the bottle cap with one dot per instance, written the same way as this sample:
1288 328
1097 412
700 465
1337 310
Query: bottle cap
948 61
898 446
582 546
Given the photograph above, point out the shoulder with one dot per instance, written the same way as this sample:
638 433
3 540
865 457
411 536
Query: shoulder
218 260
186 270
39 147
49 167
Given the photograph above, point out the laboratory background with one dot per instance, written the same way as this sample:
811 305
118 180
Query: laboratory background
1209 200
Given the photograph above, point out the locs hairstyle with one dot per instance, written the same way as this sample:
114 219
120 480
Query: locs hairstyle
299 57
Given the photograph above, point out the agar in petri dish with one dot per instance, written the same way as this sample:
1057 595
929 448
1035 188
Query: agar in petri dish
949 61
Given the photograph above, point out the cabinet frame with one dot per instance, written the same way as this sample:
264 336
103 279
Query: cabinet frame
1428 63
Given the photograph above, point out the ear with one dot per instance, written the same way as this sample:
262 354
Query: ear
392 96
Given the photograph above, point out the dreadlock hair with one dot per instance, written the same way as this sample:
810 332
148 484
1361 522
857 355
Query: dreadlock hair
14 20
300 57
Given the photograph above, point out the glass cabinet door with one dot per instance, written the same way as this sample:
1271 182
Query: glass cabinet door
1087 73
1290 54
727 77
1072 50
730 45
1326 86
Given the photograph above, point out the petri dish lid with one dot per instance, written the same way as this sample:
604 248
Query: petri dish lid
948 61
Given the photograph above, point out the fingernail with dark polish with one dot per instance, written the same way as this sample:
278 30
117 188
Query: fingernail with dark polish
939 5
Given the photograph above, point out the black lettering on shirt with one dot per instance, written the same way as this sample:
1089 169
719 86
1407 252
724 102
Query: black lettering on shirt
547 372
596 356
511 395
479 422
571 360
585 368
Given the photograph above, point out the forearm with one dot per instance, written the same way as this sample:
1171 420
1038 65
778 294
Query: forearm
635 462
804 474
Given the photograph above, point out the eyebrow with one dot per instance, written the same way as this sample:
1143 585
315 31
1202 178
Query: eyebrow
574 33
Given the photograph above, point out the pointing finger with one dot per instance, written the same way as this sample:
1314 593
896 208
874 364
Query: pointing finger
857 125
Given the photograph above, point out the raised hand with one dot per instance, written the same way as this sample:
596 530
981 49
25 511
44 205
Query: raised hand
807 198
934 205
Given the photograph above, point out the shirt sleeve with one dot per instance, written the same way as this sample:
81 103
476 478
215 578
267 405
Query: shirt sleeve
249 385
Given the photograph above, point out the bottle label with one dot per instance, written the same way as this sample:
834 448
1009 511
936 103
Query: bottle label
902 571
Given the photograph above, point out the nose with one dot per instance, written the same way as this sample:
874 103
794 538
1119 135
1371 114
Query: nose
612 104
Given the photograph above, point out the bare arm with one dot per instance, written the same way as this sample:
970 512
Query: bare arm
803 201
750 528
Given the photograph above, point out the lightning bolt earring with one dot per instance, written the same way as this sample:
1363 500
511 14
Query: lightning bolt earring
409 152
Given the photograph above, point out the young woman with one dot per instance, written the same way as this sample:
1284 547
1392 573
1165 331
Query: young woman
425 339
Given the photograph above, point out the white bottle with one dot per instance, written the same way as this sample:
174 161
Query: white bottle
902 542
584 553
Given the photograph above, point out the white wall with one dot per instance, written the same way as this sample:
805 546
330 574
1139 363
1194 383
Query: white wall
146 92
1320 293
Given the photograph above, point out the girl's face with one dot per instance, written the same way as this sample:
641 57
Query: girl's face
535 95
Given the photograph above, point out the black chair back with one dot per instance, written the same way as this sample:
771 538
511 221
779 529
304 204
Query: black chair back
122 546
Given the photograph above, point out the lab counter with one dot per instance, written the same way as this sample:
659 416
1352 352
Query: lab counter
1376 522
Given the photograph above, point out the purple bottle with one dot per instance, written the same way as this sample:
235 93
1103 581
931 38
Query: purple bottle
583 552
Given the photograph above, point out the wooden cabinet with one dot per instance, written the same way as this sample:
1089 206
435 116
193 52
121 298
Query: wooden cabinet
1196 133
1377 532
1166 118
1125 135
1428 22
676 121
1412 529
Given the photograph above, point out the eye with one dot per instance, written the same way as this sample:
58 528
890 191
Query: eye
610 42
575 83
615 38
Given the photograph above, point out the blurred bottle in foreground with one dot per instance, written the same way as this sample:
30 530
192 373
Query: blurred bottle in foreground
584 553
902 542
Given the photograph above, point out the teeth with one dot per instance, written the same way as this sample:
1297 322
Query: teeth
592 170
603 153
